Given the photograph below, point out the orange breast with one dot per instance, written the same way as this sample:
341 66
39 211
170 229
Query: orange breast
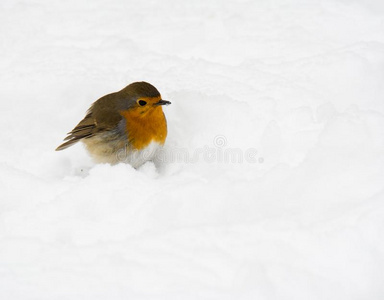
142 129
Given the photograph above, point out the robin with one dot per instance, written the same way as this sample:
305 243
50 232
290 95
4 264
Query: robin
126 126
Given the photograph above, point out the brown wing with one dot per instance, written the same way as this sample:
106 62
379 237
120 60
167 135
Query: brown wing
102 116
86 128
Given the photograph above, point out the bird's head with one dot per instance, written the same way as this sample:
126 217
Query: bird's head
142 98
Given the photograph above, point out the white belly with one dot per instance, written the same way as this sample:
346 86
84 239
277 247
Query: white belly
115 151
138 157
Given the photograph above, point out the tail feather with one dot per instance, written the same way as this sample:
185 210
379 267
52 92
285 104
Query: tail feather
66 145
86 128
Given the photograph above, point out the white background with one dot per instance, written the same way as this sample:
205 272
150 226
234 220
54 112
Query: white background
300 81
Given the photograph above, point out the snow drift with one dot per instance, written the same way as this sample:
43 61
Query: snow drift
291 91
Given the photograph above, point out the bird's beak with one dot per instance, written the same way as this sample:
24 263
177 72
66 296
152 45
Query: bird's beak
162 102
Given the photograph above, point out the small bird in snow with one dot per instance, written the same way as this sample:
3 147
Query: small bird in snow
126 126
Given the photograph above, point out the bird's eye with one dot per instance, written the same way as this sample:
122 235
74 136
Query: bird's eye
142 102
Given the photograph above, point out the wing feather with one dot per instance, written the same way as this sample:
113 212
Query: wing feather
102 116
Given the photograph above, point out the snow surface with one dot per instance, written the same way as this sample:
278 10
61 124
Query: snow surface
271 182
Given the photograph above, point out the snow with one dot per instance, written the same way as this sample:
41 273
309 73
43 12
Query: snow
270 185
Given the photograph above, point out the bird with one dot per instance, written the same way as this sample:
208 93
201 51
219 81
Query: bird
126 126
